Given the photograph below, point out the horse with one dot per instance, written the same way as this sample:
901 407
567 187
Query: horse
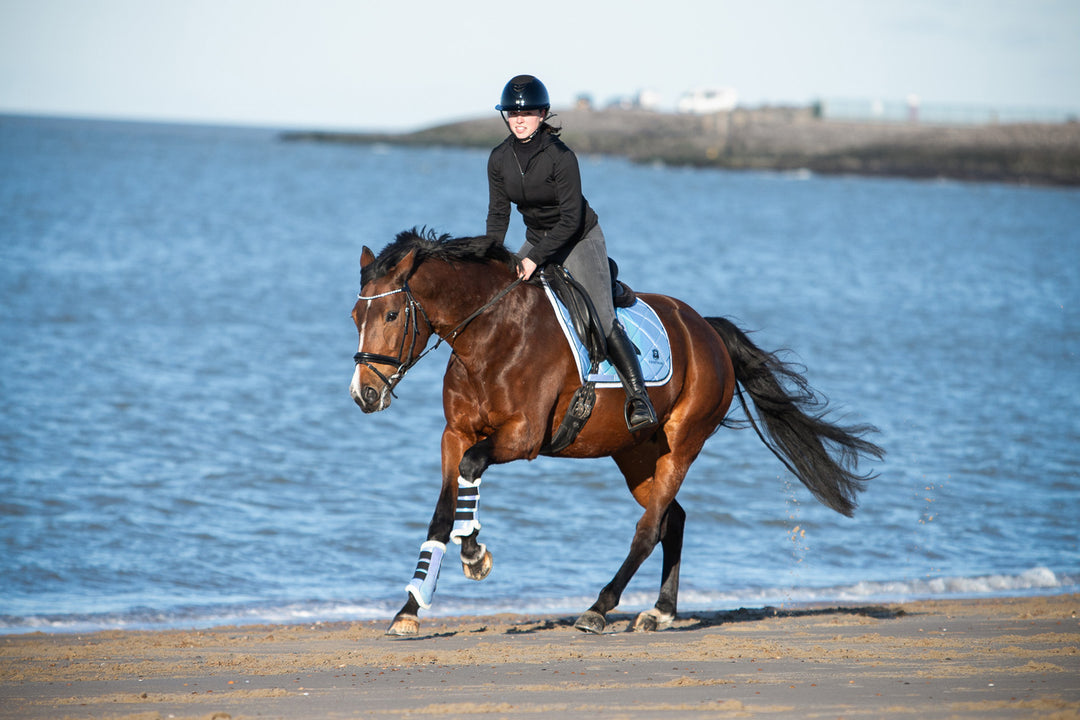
511 377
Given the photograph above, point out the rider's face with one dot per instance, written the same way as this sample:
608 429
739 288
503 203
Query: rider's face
523 123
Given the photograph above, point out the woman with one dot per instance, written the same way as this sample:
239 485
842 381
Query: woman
537 172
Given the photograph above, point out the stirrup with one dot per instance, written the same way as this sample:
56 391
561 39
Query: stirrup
644 410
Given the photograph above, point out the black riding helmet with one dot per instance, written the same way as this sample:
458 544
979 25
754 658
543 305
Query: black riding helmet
524 92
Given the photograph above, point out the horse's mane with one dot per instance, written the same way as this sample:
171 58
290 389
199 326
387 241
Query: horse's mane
430 245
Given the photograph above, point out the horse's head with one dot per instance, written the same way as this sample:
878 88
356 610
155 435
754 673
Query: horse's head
393 330
466 276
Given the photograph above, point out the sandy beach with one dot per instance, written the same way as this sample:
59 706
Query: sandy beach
996 658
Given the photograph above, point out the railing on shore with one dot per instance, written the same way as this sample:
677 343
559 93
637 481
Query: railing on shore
912 110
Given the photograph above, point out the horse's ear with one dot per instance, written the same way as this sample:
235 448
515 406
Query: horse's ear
366 257
404 268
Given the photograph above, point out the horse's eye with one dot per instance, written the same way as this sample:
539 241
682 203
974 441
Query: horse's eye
391 316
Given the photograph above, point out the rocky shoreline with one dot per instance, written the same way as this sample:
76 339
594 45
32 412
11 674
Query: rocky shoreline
786 139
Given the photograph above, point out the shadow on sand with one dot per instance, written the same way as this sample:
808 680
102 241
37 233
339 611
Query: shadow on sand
698 620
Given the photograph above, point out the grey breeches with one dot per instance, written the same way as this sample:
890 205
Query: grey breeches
587 262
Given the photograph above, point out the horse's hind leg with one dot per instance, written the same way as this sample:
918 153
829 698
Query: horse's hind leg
671 539
645 538
654 485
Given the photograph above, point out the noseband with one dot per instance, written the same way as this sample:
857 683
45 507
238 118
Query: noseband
414 310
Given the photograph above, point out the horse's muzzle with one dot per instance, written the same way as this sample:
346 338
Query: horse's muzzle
368 397
369 400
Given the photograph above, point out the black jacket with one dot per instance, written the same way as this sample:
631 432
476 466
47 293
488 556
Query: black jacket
546 191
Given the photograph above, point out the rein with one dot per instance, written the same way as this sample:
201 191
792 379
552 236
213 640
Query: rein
402 363
476 313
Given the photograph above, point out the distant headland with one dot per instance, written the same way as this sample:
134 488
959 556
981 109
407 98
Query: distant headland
786 139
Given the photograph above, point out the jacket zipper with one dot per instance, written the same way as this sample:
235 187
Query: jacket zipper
520 170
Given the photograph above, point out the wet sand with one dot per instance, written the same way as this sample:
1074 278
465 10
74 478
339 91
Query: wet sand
999 658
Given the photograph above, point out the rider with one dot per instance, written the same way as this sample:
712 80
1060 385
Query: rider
537 172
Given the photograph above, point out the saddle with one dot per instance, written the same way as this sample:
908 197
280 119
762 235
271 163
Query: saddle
582 311
621 294
586 324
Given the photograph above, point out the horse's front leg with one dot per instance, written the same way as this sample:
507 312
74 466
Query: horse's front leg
476 560
421 588
455 518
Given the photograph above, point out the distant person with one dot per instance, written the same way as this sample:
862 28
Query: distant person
537 172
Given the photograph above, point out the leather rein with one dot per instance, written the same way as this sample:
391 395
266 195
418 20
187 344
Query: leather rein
413 312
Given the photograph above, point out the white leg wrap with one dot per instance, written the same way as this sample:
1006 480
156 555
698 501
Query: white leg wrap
422 585
465 513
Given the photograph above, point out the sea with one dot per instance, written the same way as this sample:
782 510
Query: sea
178 448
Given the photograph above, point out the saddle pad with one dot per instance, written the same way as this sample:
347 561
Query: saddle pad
644 329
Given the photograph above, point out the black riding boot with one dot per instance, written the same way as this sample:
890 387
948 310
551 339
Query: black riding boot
623 355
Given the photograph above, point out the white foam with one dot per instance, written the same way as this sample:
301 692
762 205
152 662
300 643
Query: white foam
1038 580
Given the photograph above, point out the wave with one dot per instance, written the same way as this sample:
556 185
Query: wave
1036 581
1039 580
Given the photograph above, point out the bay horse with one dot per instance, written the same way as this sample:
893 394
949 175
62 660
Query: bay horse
511 377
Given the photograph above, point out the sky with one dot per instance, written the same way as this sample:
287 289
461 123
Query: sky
364 65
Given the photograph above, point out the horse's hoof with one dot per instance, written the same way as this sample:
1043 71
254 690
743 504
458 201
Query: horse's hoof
479 569
592 622
652 620
404 625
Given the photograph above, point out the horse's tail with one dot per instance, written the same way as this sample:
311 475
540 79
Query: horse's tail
795 422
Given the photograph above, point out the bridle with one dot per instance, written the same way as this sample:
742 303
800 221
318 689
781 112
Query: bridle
404 361
413 312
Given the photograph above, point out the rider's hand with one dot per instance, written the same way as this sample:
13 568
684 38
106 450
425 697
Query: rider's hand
526 268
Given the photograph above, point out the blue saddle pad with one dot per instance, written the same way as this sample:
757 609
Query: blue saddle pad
644 329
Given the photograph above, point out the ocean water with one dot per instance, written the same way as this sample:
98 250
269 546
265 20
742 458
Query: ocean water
178 447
